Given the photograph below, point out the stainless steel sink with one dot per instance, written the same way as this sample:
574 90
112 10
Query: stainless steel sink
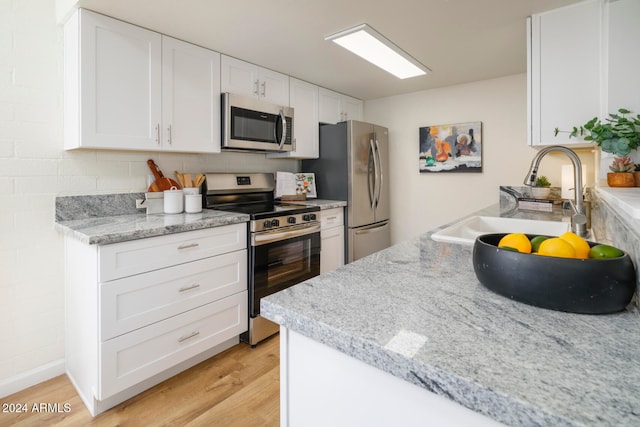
466 231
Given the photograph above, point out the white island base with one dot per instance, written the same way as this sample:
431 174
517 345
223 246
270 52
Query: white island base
321 386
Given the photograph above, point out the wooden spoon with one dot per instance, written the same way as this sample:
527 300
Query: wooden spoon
187 180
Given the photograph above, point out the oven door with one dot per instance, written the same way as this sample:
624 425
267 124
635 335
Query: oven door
280 260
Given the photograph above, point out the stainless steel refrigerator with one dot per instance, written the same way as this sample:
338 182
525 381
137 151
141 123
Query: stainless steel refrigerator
354 166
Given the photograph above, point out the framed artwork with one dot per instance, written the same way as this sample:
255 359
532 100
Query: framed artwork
451 148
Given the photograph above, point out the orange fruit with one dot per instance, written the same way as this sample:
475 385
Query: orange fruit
557 247
580 245
517 241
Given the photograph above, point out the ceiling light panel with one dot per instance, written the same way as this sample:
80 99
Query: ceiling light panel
372 46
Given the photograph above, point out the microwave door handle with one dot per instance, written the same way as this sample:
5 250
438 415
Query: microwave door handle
283 120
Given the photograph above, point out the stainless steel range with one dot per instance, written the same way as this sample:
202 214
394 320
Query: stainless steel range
284 239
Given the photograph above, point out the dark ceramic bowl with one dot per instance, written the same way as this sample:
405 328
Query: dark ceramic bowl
589 286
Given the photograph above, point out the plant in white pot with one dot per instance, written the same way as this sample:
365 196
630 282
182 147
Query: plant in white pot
618 135
541 188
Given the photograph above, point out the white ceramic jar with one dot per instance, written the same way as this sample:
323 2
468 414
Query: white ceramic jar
173 201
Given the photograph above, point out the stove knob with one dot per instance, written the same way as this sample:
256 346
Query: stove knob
313 217
291 220
266 223
275 222
306 217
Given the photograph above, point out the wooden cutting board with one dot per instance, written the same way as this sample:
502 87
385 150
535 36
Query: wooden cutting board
161 183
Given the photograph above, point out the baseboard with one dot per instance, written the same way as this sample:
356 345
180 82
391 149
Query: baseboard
31 378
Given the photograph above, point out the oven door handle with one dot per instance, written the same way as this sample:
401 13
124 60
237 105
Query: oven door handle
263 238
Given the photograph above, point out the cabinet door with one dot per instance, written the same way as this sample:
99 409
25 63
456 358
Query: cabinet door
120 84
139 256
239 77
136 301
274 86
304 100
134 357
332 239
351 108
244 78
329 109
332 249
190 97
565 70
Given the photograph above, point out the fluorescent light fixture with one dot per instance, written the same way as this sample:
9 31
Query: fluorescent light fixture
369 44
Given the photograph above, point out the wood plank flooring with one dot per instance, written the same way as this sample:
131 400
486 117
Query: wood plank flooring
238 387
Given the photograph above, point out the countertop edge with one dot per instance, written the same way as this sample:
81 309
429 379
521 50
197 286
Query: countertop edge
471 395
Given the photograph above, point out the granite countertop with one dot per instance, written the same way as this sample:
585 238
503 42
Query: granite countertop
112 218
121 228
515 363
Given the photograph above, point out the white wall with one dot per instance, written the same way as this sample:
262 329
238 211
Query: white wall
34 169
423 201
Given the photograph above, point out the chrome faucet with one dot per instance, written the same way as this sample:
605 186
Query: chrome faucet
579 218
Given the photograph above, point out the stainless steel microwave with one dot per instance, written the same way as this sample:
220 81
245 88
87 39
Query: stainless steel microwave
251 124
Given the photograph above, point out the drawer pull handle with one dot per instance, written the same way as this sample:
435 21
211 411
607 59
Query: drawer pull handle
331 218
190 245
188 288
186 337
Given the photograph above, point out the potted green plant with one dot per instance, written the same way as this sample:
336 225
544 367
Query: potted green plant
617 134
541 188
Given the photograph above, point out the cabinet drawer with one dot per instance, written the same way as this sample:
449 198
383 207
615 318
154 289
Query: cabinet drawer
133 302
138 355
332 218
140 256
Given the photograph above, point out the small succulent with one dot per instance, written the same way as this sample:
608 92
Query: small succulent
542 181
622 164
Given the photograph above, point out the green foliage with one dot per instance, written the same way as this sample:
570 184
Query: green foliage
542 181
617 134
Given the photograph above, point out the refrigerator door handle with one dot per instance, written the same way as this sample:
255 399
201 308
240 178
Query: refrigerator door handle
379 176
372 191
372 228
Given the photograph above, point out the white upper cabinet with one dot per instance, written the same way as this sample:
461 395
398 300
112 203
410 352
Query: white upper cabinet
565 70
336 107
244 78
133 89
112 84
190 97
304 100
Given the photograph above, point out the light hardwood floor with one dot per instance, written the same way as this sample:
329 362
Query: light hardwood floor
238 387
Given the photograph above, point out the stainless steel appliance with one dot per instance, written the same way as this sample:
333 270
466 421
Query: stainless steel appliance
283 240
354 166
250 124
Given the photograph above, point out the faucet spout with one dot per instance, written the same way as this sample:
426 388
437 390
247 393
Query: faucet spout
578 219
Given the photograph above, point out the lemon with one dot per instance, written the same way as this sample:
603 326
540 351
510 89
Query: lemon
605 252
580 245
557 247
517 241
535 242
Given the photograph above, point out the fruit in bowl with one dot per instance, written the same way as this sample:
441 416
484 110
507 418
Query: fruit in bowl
564 273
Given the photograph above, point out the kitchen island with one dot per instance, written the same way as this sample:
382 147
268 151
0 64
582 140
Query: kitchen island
391 332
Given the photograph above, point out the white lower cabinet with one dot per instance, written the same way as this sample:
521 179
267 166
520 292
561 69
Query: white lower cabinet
332 239
141 311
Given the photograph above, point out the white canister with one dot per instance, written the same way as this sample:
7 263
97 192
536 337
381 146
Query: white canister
191 190
173 201
192 203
